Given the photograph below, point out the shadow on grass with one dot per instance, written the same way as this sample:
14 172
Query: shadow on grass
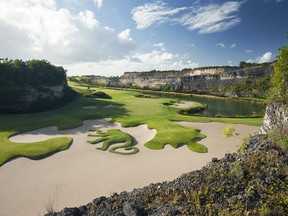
70 116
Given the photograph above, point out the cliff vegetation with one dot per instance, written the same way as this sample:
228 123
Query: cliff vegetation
32 86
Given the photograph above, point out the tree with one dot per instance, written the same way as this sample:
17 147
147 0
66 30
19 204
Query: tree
279 81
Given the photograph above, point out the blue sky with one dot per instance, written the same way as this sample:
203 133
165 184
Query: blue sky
109 37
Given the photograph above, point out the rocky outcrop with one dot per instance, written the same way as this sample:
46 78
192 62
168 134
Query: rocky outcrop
212 80
276 118
28 98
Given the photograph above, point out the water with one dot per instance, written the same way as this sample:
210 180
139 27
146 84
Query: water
221 107
229 107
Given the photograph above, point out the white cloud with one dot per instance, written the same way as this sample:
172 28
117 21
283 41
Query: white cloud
38 29
191 45
248 51
221 45
224 46
99 3
125 35
153 13
158 60
160 45
212 18
205 19
267 57
88 19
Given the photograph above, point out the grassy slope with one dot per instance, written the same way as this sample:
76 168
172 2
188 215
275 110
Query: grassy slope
69 116
129 111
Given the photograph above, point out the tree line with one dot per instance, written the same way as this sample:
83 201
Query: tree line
17 77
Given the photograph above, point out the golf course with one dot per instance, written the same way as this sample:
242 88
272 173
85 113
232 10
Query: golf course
124 107
110 140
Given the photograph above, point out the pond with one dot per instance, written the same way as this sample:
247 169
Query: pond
220 107
225 107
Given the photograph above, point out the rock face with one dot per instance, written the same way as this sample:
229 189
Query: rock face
30 99
212 80
275 119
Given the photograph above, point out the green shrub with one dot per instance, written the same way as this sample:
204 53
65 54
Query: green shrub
279 138
98 94
279 81
143 96
194 109
243 147
228 132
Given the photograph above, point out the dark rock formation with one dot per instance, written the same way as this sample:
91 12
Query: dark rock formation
31 99
32 86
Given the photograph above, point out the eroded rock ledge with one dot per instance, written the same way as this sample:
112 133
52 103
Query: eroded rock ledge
221 81
275 119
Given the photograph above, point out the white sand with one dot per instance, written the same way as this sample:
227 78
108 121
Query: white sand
90 107
110 106
82 173
183 105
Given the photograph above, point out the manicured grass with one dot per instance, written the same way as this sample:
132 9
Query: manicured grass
35 150
175 135
67 117
114 136
129 111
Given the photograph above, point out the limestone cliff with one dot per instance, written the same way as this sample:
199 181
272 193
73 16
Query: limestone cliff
223 81
275 119
32 86
30 98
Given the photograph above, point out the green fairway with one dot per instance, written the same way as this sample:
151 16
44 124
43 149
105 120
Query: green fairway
127 109
111 137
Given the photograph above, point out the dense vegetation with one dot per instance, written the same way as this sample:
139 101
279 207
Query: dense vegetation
28 86
257 88
279 81
244 64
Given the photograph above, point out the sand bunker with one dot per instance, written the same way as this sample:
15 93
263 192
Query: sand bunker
90 107
110 106
81 173
183 105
